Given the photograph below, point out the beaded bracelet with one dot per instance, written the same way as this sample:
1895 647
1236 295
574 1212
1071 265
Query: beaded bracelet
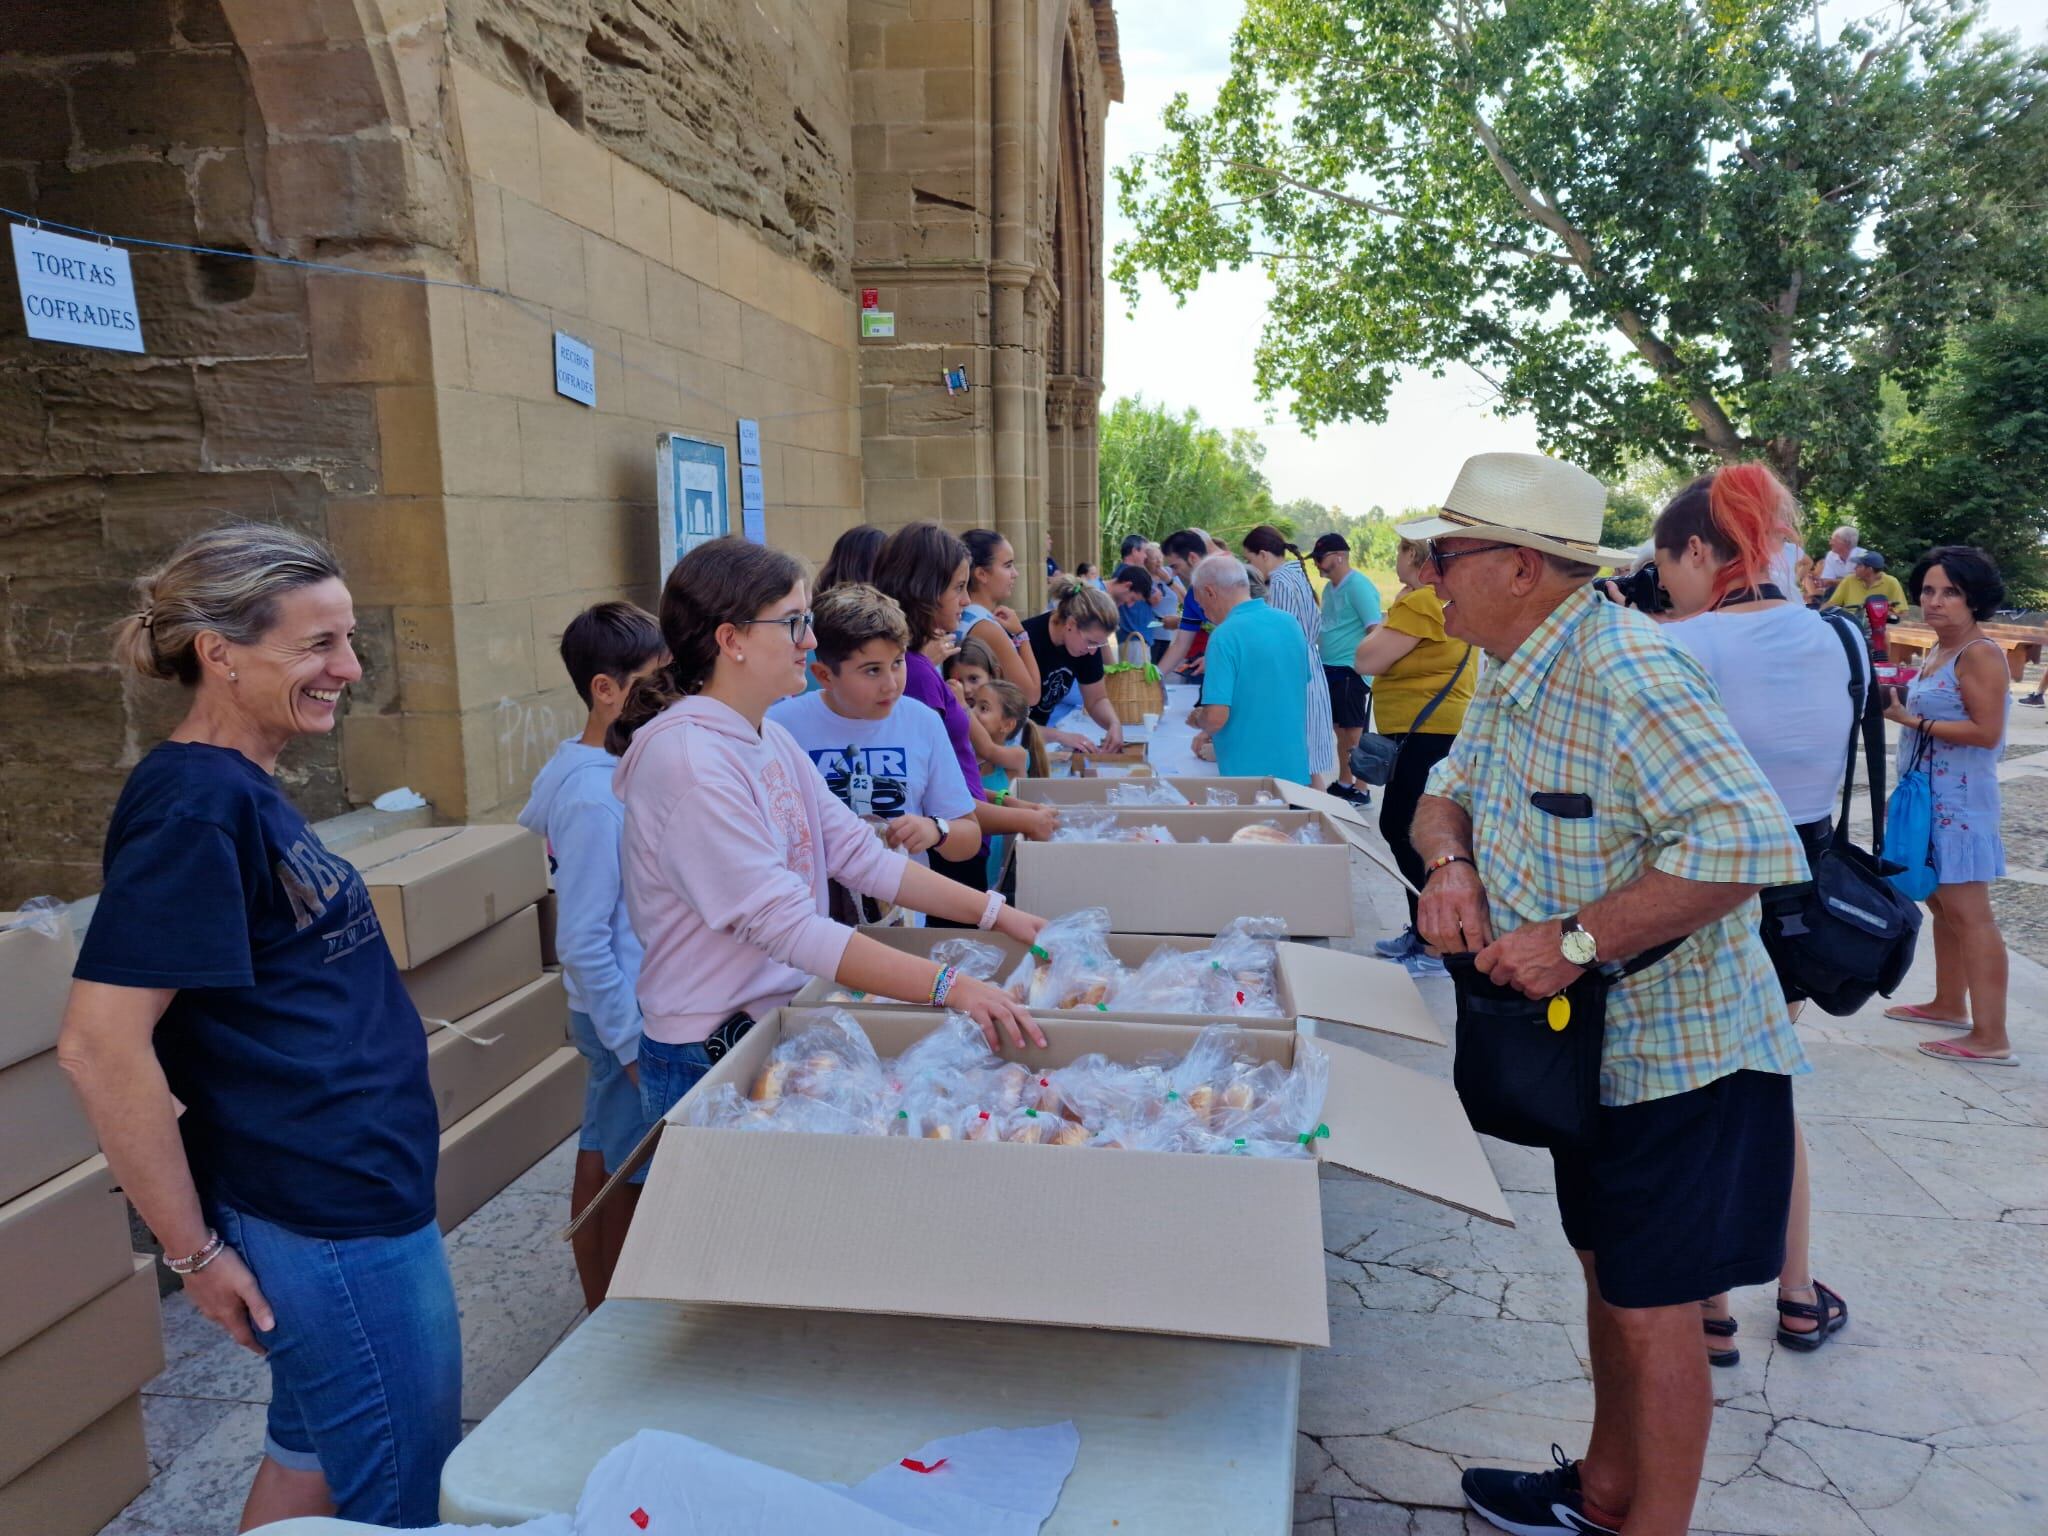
193 1263
942 984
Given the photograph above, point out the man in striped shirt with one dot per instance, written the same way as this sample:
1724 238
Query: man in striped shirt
1597 805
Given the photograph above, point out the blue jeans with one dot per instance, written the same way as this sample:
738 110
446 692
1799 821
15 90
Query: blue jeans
667 1072
612 1120
365 1363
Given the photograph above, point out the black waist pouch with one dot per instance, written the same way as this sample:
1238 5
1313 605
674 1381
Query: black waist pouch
1528 1068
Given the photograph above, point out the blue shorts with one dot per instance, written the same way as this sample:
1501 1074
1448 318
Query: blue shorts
365 1363
612 1121
667 1072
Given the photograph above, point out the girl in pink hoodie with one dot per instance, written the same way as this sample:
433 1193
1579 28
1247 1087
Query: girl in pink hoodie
731 835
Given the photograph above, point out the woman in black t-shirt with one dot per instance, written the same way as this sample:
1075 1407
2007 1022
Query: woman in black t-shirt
1067 641
236 967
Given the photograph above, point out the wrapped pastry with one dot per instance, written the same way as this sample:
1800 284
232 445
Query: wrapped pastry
1262 832
768 1083
1070 1134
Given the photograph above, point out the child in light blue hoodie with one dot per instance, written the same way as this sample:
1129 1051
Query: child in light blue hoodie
606 649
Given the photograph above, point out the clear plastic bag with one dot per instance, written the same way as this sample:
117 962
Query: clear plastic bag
1261 832
1150 833
1070 959
955 1050
1169 981
1087 824
1147 792
1310 835
1219 797
1238 967
976 959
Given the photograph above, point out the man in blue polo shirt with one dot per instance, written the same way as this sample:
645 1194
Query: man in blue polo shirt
1258 721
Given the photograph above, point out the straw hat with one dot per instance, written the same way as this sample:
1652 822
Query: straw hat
1524 498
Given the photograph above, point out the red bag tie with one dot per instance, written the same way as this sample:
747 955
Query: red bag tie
639 1518
918 1466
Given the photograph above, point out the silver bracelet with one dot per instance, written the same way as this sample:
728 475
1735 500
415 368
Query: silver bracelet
193 1263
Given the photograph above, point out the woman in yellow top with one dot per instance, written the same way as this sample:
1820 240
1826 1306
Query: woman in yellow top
1411 663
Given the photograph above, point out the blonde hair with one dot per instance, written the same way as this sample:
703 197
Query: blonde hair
227 580
1075 602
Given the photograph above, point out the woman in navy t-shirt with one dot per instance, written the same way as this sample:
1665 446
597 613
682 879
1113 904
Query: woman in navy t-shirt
236 967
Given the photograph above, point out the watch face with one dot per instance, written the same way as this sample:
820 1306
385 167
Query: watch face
1579 946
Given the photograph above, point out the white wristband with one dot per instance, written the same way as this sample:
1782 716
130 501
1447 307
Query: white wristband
988 913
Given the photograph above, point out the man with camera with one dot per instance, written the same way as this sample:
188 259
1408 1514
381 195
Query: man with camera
1598 813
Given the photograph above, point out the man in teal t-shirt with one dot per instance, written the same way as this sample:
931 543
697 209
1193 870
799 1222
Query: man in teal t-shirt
1255 684
1351 606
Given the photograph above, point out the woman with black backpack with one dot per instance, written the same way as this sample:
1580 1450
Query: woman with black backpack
1784 678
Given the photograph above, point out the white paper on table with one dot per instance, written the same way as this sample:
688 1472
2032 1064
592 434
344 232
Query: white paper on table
995 1482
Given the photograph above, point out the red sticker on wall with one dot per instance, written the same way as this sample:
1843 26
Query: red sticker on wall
871 298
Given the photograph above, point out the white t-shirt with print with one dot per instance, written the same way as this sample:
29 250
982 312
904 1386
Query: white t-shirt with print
900 765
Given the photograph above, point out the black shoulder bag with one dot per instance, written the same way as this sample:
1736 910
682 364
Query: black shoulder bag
1528 1068
1373 758
1846 933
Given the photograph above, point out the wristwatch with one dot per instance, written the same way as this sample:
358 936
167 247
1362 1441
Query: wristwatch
1579 946
945 827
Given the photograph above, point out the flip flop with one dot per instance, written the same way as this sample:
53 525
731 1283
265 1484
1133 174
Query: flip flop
1912 1013
1948 1050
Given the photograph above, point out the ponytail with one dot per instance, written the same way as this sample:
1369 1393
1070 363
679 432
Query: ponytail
1036 763
1742 512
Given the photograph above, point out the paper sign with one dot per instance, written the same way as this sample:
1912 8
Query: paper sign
575 369
752 498
754 524
877 322
871 298
76 291
750 441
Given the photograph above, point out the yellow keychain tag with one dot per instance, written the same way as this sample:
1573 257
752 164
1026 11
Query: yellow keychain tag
1559 1012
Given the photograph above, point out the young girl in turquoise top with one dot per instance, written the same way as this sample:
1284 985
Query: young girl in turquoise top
1004 713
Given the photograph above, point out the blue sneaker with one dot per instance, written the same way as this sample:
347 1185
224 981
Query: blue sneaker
1400 946
1422 965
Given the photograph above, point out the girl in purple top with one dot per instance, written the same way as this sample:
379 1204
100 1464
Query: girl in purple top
925 569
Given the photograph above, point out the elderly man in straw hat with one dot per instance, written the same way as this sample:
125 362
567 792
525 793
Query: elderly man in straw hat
1598 811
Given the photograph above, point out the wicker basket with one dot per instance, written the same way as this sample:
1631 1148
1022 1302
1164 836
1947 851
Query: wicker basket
1134 692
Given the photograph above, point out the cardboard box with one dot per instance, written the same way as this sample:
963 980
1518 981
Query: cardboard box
85 1482
436 886
35 978
78 1370
61 1244
1191 887
477 972
1220 1247
1312 983
1131 761
548 910
1071 791
486 1150
475 1057
43 1129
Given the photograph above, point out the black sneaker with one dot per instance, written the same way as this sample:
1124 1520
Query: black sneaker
1357 794
1533 1503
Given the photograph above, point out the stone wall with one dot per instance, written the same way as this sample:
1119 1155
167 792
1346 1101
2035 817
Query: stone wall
139 118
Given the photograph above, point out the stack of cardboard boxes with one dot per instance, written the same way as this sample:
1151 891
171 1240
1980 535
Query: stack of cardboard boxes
79 1332
459 907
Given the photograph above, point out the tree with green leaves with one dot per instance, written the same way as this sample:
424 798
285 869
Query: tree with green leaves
1161 471
1971 466
1692 229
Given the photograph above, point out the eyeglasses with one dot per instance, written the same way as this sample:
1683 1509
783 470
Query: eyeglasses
796 623
1431 556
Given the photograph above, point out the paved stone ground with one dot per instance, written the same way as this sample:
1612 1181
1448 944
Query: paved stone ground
1455 1342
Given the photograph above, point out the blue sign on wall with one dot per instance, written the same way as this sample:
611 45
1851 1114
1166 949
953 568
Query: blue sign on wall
695 502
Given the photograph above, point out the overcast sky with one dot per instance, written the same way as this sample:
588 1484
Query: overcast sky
1201 355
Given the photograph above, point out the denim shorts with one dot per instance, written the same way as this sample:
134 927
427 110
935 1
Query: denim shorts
365 1363
613 1122
667 1072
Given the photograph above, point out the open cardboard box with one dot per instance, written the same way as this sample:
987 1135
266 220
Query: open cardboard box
433 887
1188 886
1312 983
1071 791
1208 1246
36 956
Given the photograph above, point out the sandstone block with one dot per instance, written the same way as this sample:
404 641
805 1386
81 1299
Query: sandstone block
408 440
500 132
865 46
493 651
890 458
524 552
929 44
70 719
479 438
368 332
693 240
121 419
923 147
940 457
35 118
652 373
199 22
888 96
902 501
512 350
623 456
372 755
265 413
51 27
555 450
671 306
640 210
426 655
950 95
964 502
543 256
575 175
147 516
394 548
313 89
352 190
718 335
488 213
615 280
191 99
376 644
609 546
151 195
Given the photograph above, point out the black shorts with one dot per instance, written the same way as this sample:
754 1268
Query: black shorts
1686 1196
1348 694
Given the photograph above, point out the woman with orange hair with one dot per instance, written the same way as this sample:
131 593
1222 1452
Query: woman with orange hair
1783 677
